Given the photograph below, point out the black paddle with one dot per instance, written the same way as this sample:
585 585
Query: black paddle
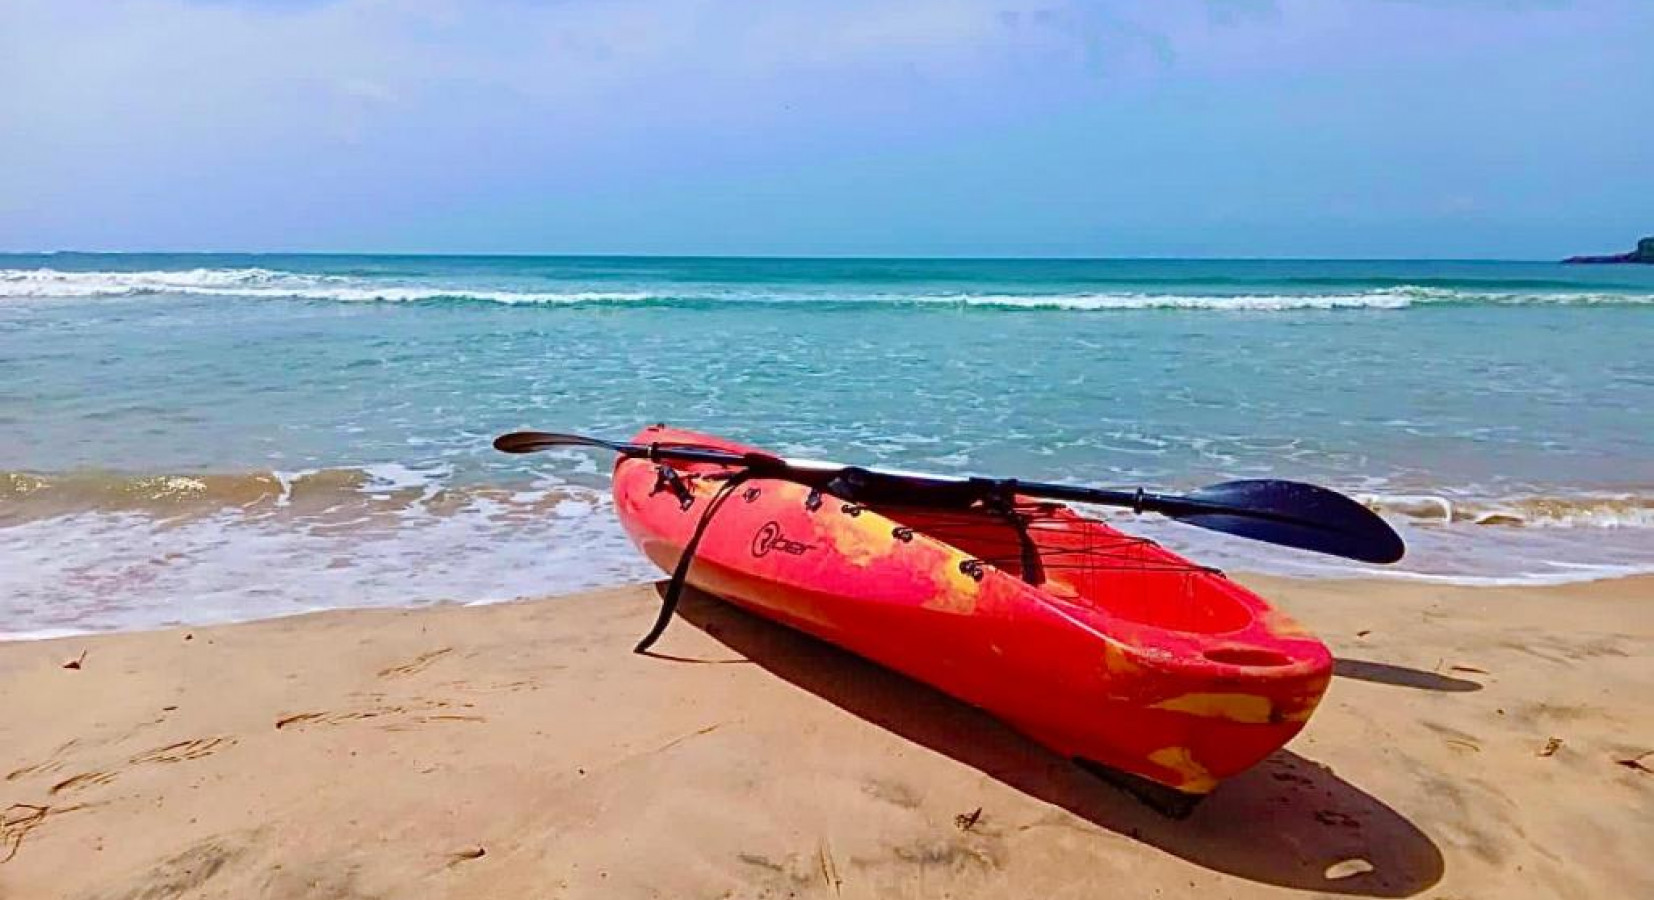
1288 513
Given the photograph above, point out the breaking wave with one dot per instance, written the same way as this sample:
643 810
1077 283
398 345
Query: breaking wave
1577 511
385 486
95 550
260 283
267 283
344 495
28 495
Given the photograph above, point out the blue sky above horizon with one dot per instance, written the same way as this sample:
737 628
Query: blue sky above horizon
1289 128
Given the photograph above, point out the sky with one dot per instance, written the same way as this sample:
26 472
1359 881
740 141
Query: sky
1226 128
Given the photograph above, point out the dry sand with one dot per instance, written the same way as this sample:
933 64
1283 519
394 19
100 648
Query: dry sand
521 751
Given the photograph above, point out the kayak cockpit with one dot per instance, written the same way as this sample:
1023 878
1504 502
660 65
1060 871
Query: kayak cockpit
1085 563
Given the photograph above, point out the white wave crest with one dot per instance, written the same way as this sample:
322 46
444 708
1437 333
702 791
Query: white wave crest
267 283
1577 511
1377 298
55 283
46 283
1244 302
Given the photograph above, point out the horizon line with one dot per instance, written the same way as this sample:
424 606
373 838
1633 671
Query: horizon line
779 257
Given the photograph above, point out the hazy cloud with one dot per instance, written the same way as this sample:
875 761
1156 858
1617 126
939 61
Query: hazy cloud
239 121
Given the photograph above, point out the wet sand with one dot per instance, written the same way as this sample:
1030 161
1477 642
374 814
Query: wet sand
1479 742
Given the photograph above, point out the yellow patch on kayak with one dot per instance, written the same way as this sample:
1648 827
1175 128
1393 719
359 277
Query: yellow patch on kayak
1303 708
1280 624
1195 778
955 590
867 539
1117 661
700 487
1301 714
785 493
860 540
1061 589
1248 709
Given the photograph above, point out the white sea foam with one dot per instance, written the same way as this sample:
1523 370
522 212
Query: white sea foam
46 283
266 283
103 552
54 283
101 570
1458 554
1378 299
1585 510
389 477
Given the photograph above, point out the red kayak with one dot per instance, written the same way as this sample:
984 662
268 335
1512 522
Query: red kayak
1104 647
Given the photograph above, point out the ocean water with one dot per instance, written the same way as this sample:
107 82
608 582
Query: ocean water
208 438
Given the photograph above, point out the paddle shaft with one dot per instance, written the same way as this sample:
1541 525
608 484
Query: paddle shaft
1288 513
817 474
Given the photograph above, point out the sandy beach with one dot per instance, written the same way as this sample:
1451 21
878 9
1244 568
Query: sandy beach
1480 742
363 364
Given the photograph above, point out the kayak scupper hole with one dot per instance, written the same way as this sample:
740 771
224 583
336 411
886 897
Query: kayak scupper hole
1246 656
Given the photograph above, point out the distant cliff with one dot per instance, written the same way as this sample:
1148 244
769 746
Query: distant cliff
1643 254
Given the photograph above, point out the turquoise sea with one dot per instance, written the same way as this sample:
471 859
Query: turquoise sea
196 438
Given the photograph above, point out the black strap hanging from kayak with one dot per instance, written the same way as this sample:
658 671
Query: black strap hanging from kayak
680 574
1003 504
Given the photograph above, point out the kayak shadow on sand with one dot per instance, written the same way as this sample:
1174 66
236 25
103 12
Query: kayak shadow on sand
1401 676
1285 822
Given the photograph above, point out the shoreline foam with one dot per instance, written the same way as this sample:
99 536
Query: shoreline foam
1212 294
91 552
29 495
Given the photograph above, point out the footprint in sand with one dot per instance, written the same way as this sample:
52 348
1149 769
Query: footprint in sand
182 751
15 824
83 780
415 665
404 715
494 687
51 763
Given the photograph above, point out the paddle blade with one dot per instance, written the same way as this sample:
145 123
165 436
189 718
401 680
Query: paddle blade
534 441
1293 514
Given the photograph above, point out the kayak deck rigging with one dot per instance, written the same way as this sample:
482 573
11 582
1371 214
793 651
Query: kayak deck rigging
1044 544
1033 523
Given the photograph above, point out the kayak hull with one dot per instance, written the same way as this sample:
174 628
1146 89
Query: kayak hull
1122 655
